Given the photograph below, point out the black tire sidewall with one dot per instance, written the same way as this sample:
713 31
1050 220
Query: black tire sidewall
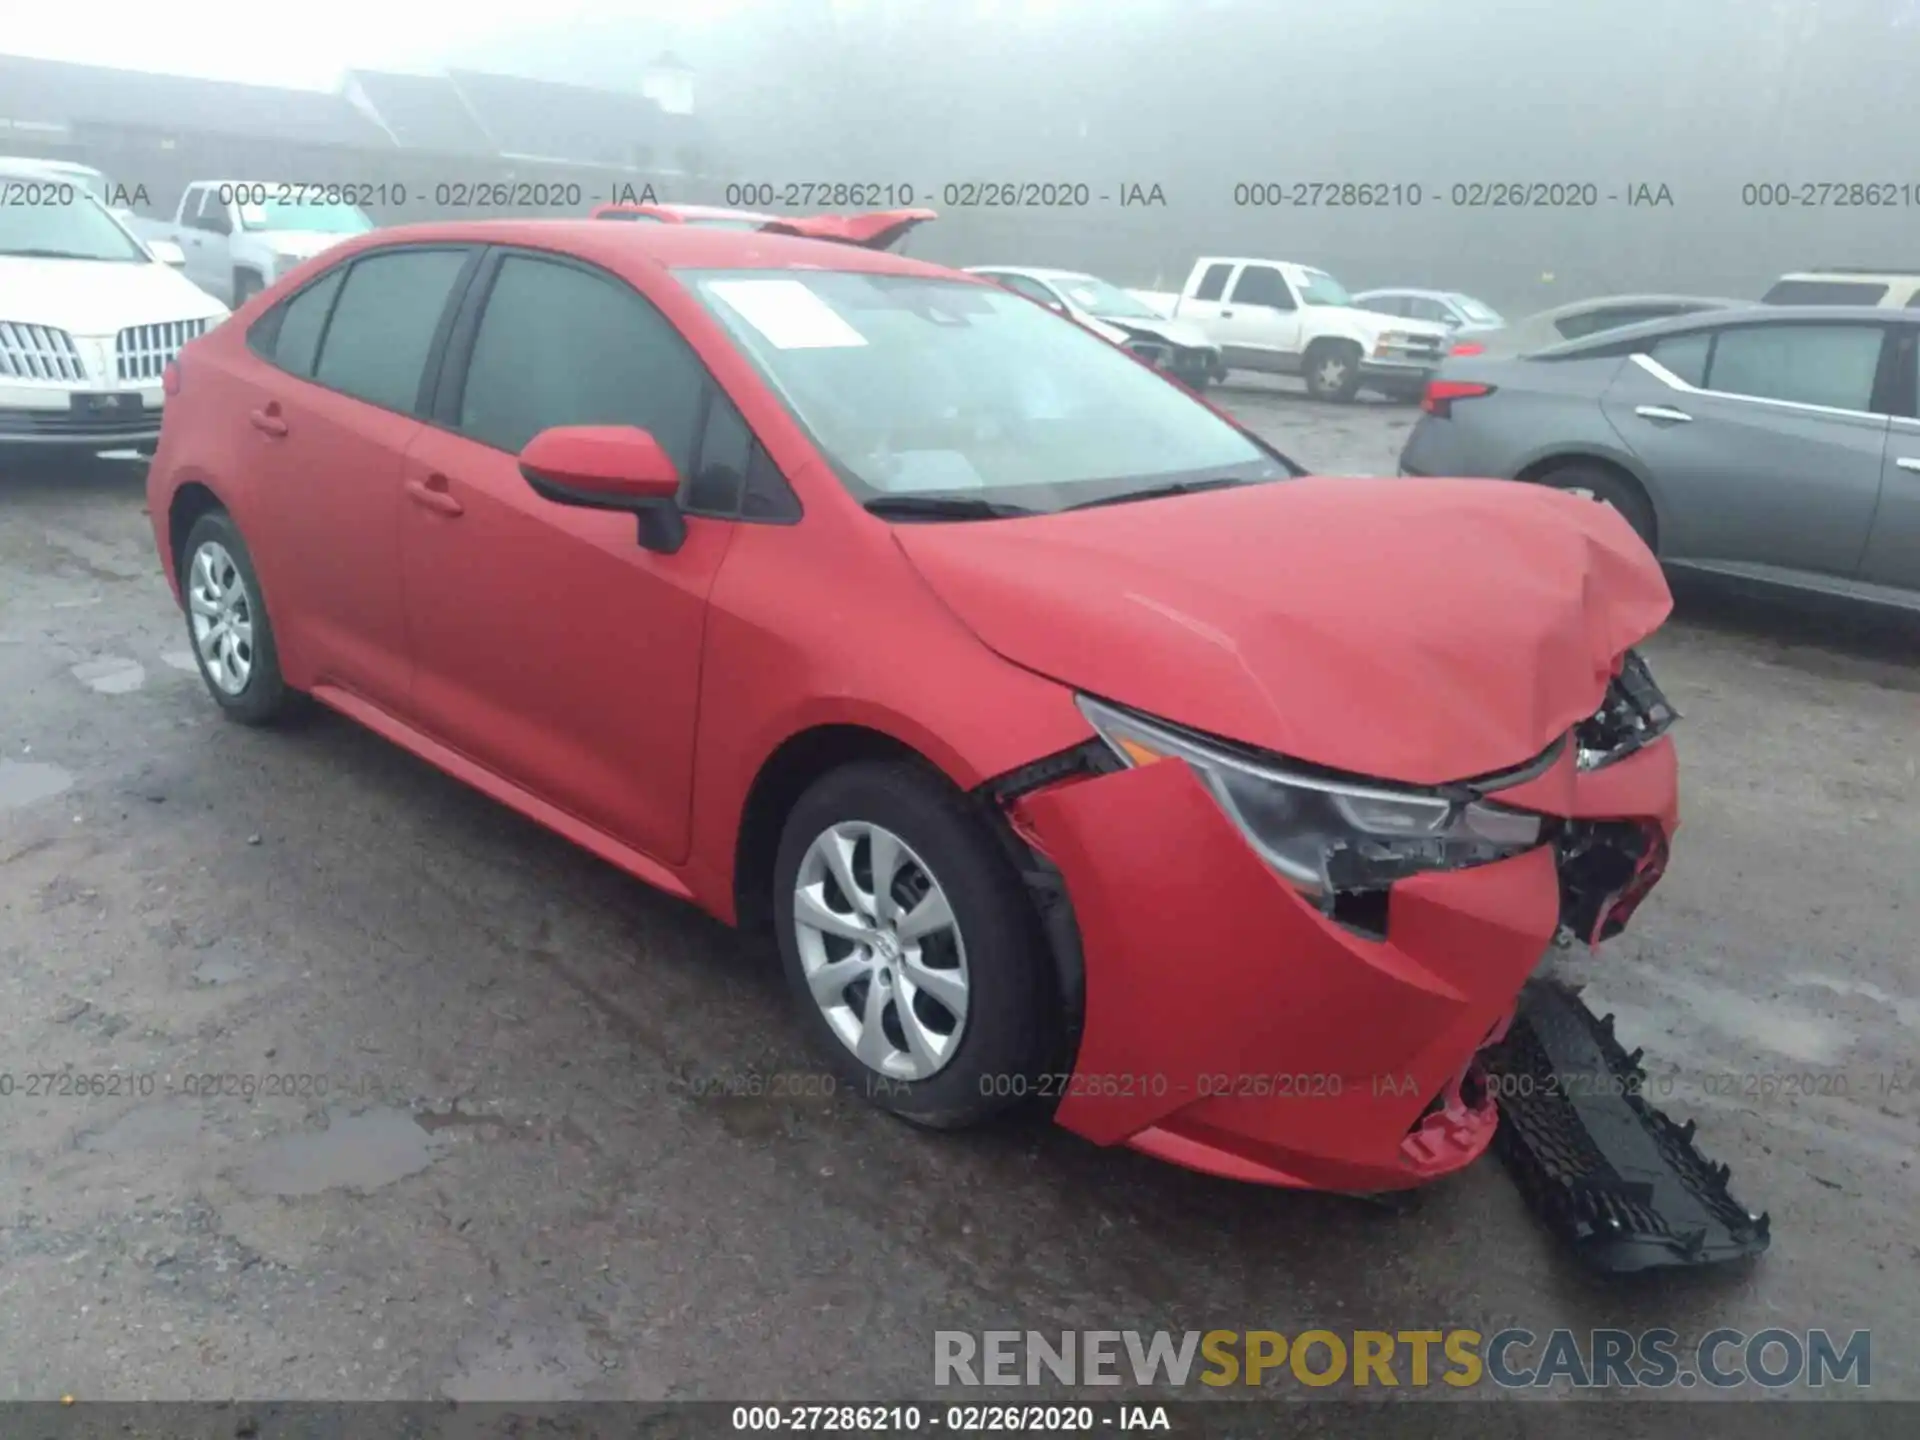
265 696
1010 1002
1610 488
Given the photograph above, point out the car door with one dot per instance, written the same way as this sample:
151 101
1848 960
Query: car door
1208 299
1762 441
1261 320
204 228
549 645
331 415
1893 547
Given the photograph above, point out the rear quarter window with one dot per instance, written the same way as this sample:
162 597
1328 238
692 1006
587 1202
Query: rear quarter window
1825 292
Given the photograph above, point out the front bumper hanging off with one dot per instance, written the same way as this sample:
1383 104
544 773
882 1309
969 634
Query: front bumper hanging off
1614 1178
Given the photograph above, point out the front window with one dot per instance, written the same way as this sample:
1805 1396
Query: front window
1098 298
78 229
936 388
1319 288
313 217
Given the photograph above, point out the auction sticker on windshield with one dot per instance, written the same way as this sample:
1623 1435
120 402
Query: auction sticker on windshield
788 314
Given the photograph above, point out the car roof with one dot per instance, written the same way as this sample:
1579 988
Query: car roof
1884 277
698 212
1749 313
1607 302
1410 290
671 247
1037 272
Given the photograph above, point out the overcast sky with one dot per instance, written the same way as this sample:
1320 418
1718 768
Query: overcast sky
309 47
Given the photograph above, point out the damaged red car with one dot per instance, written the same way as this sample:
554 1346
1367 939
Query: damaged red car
1075 746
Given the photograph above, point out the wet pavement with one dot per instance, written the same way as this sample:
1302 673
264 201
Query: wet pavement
363 1086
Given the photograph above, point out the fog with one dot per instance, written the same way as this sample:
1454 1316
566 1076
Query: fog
1692 101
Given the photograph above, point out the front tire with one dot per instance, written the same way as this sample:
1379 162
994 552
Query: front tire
1609 487
228 626
929 993
1332 370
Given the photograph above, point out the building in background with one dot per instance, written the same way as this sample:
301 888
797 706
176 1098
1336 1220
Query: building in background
407 138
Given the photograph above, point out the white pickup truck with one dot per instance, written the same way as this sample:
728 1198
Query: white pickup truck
1285 319
239 236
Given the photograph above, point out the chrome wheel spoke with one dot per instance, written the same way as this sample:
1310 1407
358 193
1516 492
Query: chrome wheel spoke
949 987
931 914
838 853
883 851
829 983
874 1048
810 908
926 1047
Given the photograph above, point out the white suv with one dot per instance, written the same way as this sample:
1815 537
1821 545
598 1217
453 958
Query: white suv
1888 289
89 320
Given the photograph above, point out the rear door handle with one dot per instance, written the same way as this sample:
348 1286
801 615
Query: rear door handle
1908 462
267 423
432 492
1662 412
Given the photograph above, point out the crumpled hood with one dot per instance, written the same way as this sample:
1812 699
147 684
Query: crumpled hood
1421 631
1175 332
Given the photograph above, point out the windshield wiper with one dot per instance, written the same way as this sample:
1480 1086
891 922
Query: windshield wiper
943 507
1161 492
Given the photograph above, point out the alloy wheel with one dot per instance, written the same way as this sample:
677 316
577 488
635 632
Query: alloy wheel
221 612
1332 374
881 950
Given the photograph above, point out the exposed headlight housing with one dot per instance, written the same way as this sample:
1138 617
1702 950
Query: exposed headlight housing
1322 835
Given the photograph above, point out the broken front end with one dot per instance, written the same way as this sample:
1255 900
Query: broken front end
1290 976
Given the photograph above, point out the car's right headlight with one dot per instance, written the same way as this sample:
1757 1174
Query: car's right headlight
1323 835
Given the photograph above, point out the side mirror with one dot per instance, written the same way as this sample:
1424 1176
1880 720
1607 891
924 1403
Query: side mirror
167 253
609 467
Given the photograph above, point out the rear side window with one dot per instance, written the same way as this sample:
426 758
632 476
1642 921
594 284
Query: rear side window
1613 317
296 341
1684 356
1831 365
384 322
1913 300
561 345
1825 292
1386 305
1213 284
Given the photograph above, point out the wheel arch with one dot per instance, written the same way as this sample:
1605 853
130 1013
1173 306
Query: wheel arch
190 501
1538 468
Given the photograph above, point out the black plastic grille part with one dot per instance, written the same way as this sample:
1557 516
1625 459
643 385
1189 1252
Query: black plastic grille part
1612 1176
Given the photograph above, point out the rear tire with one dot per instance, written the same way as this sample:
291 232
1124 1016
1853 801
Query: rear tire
1332 370
931 998
1609 487
227 624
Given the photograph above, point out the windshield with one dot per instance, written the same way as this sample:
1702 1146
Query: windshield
1321 288
324 219
1097 297
935 387
1476 312
63 223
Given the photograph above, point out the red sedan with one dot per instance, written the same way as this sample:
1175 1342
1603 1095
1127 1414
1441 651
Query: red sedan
1072 743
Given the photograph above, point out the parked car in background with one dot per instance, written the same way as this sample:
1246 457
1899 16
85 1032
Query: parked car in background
1889 289
1023 695
1462 314
1180 348
239 236
1770 446
89 320
874 229
1580 318
94 182
1279 318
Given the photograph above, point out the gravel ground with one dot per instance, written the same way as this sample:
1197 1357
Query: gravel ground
513 1188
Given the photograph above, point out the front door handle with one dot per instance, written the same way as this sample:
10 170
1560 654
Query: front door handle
268 421
1662 412
432 492
1226 314
1908 462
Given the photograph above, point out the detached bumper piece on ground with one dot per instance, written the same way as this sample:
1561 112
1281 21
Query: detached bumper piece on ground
1611 1175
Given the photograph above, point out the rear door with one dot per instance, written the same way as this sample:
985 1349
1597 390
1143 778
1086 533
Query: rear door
1893 549
330 416
1762 441
204 228
549 645
1203 305
1259 325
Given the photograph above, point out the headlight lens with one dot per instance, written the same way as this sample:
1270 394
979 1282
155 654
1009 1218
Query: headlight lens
1325 836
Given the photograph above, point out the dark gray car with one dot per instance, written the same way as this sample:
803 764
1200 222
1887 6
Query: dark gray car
1763 444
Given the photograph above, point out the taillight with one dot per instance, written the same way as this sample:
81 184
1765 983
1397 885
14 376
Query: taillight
1468 347
170 378
1442 393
